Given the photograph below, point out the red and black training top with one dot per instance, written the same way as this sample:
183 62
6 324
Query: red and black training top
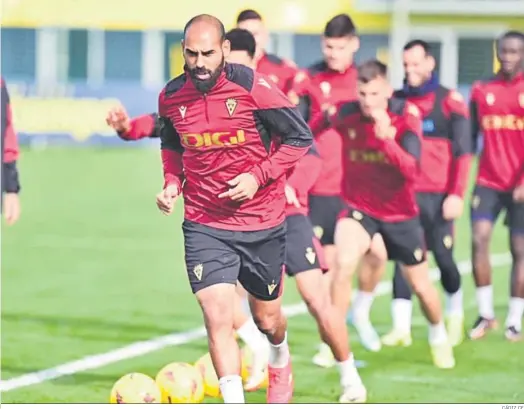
302 178
281 71
313 89
447 147
244 124
144 126
497 111
9 149
379 176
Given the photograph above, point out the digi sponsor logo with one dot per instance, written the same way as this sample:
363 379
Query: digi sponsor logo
503 122
207 139
366 156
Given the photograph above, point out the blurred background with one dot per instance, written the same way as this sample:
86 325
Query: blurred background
93 277
74 58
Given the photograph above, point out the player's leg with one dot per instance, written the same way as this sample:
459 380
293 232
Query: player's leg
441 244
401 312
261 274
516 304
255 340
485 208
353 236
370 271
213 268
405 243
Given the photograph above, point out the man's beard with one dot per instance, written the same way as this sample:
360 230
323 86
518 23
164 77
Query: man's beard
205 86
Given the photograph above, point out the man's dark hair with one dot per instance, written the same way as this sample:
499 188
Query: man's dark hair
248 15
371 70
242 40
340 26
519 35
210 19
418 43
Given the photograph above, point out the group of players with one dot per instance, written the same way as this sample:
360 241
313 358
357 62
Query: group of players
317 172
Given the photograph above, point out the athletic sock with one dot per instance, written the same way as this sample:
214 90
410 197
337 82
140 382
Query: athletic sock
485 302
515 313
232 389
362 306
348 372
437 334
279 354
455 303
251 335
401 311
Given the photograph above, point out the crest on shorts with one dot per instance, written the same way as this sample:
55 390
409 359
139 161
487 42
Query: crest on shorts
357 215
310 255
273 78
231 105
318 232
325 87
271 287
447 241
490 98
521 99
475 201
198 270
418 254
352 133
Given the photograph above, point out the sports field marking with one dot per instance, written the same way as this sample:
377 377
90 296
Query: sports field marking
144 347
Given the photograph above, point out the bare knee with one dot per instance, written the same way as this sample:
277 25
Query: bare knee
317 304
481 237
418 278
218 308
267 315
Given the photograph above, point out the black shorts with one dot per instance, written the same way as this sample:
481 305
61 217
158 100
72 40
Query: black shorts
436 229
404 240
324 212
487 204
304 251
256 259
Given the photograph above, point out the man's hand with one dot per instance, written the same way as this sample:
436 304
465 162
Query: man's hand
12 208
452 207
291 196
166 199
518 194
243 187
118 119
383 128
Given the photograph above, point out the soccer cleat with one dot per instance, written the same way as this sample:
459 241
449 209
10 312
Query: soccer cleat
354 394
280 388
442 355
512 334
397 338
367 334
481 327
455 328
324 357
258 371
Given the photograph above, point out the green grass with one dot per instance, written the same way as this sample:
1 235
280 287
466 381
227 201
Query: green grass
93 266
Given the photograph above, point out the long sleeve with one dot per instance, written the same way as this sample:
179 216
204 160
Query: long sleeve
404 155
141 127
171 149
306 172
282 119
11 152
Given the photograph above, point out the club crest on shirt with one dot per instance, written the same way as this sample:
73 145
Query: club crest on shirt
418 254
231 105
301 76
310 255
447 241
271 287
352 133
318 232
198 270
357 215
273 78
490 98
325 87
521 99
182 109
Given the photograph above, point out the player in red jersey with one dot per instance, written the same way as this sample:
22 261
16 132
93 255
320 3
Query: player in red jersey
497 111
280 70
440 186
10 203
381 151
219 125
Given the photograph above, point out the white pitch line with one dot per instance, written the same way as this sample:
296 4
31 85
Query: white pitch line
144 347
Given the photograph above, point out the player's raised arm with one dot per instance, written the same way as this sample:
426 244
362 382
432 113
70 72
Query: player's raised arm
132 129
171 148
10 180
461 142
280 118
474 118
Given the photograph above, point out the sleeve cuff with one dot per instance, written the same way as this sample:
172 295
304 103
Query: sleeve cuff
11 183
